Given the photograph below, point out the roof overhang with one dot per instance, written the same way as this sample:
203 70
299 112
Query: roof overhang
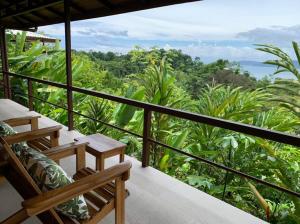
26 14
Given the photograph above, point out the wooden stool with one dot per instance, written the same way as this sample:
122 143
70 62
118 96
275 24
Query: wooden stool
103 147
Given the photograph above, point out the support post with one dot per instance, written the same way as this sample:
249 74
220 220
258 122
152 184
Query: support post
68 63
6 81
30 95
146 136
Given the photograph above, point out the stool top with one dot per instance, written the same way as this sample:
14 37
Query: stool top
100 143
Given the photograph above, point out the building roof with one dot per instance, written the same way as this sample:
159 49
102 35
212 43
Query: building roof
32 36
25 14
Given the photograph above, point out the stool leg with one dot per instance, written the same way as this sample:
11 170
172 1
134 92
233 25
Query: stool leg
100 163
122 157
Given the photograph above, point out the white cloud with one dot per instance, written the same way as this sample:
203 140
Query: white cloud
273 35
192 25
143 27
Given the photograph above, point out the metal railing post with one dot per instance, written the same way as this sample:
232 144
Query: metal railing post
68 64
6 81
30 95
146 136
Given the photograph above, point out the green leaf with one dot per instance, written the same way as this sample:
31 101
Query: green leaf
179 140
125 112
163 164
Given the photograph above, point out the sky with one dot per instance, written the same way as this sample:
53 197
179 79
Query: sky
209 29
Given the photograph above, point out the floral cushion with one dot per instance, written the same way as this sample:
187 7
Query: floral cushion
6 130
47 174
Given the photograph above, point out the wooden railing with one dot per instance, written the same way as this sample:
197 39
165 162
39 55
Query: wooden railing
150 108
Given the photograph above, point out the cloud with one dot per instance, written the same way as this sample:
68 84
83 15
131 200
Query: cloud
103 33
207 38
87 28
98 29
281 35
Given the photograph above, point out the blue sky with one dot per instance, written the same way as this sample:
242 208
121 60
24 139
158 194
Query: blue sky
210 29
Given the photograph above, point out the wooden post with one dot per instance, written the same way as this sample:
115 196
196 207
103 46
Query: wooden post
6 82
80 157
68 63
120 201
146 136
30 95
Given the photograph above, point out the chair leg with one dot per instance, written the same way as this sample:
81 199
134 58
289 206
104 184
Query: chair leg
120 202
2 179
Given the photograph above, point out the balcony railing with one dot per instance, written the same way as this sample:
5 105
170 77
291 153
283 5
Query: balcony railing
149 109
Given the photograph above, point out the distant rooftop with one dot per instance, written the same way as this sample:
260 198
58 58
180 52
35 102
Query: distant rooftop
33 36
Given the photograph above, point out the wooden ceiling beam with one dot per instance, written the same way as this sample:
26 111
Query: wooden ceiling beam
18 20
77 8
38 15
33 8
56 14
14 3
107 3
23 17
54 11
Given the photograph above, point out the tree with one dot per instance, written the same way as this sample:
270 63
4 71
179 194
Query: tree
289 96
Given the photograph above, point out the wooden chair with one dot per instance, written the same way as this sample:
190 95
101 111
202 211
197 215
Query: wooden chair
103 191
32 120
49 136
41 143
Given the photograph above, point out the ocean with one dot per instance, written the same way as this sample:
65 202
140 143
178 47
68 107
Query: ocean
260 70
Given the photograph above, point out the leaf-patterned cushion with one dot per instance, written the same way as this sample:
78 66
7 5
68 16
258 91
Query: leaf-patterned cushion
49 175
6 130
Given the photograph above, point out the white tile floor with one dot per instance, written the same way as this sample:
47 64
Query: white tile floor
155 198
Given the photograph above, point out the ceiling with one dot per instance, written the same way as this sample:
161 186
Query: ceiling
26 14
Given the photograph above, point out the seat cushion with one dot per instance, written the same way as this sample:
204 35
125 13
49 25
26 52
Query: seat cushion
6 130
49 175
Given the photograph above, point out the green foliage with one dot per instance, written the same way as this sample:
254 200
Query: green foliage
172 79
124 112
99 110
289 90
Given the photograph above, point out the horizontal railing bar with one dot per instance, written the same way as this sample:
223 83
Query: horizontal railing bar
50 83
75 112
110 125
45 101
223 167
217 122
294 193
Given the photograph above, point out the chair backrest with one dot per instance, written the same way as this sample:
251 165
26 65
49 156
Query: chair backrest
18 166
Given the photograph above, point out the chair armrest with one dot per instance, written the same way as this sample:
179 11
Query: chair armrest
52 132
63 151
32 120
50 199
66 150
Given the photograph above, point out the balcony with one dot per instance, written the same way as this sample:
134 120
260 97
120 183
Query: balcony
154 196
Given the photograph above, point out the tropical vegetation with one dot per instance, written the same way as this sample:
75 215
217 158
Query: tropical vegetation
173 79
